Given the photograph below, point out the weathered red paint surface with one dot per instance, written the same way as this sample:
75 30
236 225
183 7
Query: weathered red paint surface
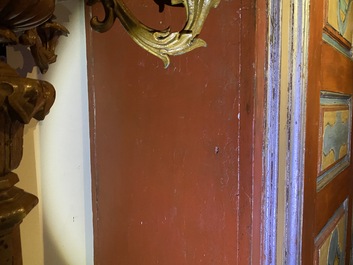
173 154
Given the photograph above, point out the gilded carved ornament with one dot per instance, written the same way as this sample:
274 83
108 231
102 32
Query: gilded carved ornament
29 23
160 43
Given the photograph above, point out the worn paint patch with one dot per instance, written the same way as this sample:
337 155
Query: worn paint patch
330 244
334 136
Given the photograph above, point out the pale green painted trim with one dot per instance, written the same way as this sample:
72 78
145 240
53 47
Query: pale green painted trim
336 45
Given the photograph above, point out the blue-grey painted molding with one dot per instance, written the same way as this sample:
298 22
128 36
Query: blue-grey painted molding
296 102
271 149
298 73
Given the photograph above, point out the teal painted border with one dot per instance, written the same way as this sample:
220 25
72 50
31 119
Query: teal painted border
327 38
332 98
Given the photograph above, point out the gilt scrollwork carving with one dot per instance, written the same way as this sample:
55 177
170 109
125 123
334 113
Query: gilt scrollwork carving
160 43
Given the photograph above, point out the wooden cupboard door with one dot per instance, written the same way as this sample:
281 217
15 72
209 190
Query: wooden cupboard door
327 218
173 149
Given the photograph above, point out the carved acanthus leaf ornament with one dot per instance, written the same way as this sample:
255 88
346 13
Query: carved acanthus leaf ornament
160 43
30 22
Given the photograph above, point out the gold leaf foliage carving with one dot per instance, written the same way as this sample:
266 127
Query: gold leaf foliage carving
160 43
27 98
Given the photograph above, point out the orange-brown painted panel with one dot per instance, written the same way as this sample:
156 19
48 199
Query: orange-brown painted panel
330 73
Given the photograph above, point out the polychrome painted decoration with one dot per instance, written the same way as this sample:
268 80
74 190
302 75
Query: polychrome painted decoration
330 244
334 138
340 17
335 134
338 25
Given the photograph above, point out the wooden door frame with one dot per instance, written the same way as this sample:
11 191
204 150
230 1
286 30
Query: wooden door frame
288 245
295 103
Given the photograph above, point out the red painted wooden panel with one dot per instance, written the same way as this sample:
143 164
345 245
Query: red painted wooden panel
173 149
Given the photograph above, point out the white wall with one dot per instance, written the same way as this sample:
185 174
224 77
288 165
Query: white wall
59 231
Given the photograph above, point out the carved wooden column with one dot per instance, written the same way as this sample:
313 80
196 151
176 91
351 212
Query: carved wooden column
25 22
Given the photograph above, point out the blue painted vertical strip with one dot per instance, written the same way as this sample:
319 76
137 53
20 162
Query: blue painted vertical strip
297 112
297 61
272 132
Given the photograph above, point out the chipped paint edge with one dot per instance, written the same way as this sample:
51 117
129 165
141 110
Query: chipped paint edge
271 145
296 151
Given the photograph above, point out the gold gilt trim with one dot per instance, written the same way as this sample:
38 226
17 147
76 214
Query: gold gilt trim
160 43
